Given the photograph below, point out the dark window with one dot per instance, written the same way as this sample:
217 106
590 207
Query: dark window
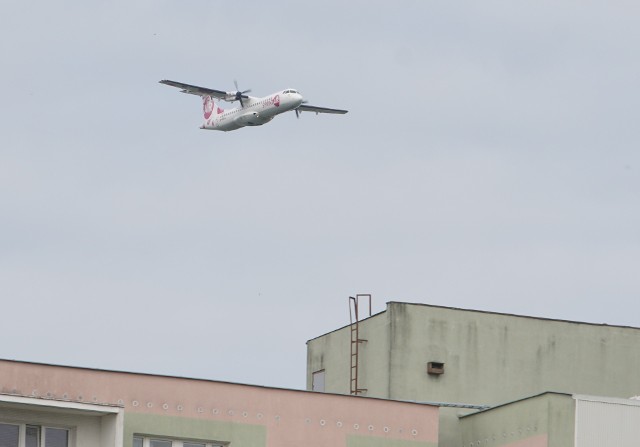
32 436
9 435
160 443
56 437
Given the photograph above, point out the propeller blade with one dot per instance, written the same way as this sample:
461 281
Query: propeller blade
240 94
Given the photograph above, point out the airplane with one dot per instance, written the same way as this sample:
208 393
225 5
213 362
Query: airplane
253 111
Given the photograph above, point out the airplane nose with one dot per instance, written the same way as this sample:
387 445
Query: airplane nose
299 99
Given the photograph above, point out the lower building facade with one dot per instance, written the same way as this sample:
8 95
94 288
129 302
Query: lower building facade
43 422
80 407
555 420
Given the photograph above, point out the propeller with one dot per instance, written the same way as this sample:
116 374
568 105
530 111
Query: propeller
239 94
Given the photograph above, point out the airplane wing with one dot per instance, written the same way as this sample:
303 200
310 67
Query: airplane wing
308 108
195 90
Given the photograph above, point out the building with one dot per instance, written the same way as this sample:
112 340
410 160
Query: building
58 406
466 358
35 421
555 420
423 376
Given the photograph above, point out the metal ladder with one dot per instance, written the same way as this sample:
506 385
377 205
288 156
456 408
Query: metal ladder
356 340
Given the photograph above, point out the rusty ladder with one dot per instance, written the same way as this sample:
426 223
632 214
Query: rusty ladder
356 340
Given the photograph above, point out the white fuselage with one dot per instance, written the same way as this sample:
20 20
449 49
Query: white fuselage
254 112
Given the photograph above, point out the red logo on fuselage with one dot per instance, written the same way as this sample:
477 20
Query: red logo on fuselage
276 100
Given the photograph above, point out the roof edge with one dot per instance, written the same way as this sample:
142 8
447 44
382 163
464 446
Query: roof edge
206 380
488 312
347 325
560 320
504 404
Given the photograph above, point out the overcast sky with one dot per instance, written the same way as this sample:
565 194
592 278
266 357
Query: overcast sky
490 160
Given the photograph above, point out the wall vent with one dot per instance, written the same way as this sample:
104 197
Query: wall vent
436 368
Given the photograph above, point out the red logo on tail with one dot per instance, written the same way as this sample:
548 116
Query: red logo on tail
207 106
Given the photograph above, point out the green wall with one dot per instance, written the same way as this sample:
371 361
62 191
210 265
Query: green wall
489 358
244 435
550 414
369 441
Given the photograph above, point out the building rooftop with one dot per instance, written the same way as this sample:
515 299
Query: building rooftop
558 320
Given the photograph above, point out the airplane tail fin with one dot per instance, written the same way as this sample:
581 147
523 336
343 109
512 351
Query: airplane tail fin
209 109
207 106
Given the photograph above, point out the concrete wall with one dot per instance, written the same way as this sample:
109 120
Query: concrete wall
545 420
234 414
555 420
332 351
489 358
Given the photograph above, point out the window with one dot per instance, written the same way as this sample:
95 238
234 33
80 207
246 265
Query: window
9 435
56 437
139 441
159 443
317 381
34 436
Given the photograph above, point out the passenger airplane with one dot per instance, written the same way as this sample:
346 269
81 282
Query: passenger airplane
252 111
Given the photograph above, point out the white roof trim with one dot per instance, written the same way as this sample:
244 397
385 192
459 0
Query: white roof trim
61 404
607 400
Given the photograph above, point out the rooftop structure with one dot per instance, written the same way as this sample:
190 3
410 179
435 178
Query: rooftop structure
419 352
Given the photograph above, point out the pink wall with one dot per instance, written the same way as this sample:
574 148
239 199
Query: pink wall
292 418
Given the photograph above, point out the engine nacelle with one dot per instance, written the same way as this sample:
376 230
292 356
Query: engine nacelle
231 96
